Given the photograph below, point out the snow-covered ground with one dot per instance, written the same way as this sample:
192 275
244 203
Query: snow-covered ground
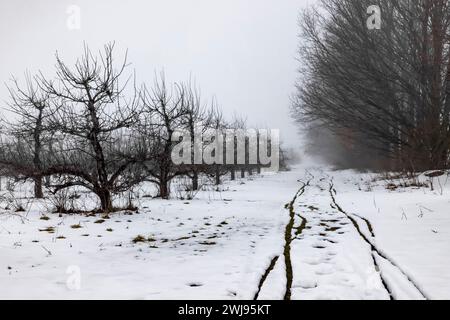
351 239
215 246
412 226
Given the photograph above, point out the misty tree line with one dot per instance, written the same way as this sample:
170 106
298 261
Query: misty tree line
91 126
383 93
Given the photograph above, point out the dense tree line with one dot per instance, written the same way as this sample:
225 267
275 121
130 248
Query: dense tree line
387 89
92 126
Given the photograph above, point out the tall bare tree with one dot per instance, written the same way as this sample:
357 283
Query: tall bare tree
387 87
93 120
163 113
196 120
28 135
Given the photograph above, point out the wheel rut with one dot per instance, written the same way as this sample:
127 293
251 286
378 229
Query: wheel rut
323 231
288 238
375 251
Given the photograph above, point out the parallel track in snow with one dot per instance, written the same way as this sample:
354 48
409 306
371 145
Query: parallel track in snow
374 249
292 232
290 226
288 239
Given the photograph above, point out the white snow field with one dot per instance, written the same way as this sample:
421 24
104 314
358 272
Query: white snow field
349 238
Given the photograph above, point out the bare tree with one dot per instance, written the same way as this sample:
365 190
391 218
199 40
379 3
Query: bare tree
387 87
93 122
237 126
28 135
196 120
217 126
164 110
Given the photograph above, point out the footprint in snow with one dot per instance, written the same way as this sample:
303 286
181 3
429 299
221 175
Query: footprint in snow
313 262
324 271
305 284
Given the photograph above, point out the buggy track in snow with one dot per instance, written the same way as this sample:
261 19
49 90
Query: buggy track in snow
375 251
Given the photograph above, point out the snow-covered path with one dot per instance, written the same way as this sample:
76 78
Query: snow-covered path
329 258
336 254
342 242
344 263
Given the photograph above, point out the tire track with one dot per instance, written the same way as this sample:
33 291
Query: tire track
287 245
265 275
373 248
288 240
288 237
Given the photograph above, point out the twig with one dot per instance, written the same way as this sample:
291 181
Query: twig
48 251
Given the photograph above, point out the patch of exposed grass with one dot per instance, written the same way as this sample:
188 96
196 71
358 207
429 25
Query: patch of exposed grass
139 238
48 229
194 284
183 238
208 243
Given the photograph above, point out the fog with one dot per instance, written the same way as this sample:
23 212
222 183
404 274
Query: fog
243 52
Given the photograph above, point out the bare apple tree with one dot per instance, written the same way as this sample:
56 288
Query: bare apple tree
196 121
27 136
93 121
163 112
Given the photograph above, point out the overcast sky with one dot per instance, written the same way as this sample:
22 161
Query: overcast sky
241 51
